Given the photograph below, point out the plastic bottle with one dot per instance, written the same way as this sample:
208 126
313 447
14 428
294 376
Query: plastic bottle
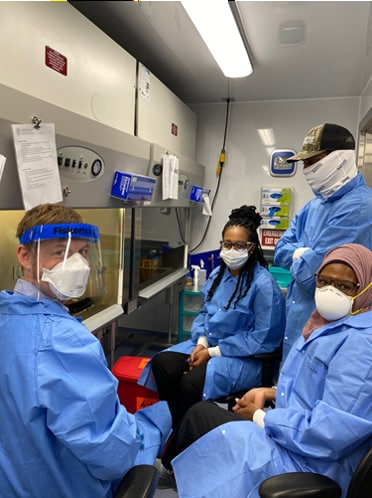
202 274
202 277
196 277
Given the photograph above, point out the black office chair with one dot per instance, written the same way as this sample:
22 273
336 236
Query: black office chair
270 371
308 485
139 482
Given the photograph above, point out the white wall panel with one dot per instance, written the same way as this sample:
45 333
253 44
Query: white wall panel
100 81
159 112
366 101
246 168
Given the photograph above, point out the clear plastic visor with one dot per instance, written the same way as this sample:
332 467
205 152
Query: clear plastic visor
54 244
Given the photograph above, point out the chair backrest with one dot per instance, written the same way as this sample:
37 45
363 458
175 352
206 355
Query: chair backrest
361 482
139 482
270 366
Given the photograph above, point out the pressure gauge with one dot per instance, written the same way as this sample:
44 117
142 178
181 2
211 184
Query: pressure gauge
157 169
96 167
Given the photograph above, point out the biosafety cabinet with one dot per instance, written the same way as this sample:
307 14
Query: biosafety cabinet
62 69
144 243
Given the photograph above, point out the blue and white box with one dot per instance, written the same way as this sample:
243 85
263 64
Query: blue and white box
197 192
132 187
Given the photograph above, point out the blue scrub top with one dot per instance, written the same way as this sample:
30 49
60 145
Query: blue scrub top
64 432
320 225
322 421
255 325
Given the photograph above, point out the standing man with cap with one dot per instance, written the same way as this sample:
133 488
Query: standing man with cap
341 212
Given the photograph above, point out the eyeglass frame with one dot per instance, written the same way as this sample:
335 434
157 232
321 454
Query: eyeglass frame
244 245
338 284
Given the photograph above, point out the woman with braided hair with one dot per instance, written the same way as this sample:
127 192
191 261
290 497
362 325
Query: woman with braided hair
243 314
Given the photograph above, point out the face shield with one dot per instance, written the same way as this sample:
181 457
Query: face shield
67 259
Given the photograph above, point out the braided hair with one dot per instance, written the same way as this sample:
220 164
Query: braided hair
248 218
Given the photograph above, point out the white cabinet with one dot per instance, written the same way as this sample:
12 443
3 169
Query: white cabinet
162 118
52 52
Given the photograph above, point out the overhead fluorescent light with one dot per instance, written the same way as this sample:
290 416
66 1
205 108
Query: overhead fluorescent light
215 23
267 136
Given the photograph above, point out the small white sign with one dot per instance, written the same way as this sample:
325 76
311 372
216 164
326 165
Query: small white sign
38 172
279 165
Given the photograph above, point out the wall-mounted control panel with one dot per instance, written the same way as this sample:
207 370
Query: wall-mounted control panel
79 163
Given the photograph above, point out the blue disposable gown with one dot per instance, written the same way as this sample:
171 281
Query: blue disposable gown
63 431
320 225
322 421
256 325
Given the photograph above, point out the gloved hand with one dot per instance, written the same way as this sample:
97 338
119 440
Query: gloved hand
299 252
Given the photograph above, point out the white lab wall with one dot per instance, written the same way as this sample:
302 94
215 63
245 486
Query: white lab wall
366 101
101 76
246 168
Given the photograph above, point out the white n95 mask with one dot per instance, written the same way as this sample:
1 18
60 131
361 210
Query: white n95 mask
68 278
332 172
331 303
234 259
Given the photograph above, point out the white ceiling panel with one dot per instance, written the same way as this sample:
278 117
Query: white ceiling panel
333 60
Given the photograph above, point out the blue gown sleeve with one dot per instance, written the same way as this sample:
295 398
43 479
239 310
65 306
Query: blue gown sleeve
321 225
290 241
341 419
200 324
266 332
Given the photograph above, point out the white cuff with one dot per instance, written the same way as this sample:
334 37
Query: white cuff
213 352
299 252
258 418
202 341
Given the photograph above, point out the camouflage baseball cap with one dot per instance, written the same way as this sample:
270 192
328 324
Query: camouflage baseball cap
323 138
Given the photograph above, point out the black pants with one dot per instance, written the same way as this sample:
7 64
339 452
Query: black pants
201 418
178 385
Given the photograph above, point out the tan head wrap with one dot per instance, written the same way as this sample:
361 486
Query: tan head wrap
359 258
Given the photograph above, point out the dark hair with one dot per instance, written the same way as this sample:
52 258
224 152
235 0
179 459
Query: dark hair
248 218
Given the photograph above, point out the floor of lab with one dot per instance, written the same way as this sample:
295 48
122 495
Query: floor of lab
146 344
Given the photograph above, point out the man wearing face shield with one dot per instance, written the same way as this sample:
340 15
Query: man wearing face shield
64 432
339 213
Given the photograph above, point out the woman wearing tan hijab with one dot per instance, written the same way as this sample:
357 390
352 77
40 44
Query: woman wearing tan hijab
322 421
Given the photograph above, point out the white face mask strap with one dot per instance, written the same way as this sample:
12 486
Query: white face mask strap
100 264
38 268
67 249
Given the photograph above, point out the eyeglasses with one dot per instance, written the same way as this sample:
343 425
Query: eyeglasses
345 286
239 245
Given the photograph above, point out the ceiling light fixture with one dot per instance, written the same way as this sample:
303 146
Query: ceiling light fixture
217 26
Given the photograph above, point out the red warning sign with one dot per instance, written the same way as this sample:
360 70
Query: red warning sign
174 129
55 61
269 237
